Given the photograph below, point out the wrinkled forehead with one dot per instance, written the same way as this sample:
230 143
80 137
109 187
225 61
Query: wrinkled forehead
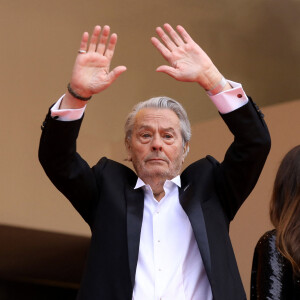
153 117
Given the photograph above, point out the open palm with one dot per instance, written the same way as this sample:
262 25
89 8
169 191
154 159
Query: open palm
188 62
91 73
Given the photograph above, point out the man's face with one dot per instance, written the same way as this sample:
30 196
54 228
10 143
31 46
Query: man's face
156 147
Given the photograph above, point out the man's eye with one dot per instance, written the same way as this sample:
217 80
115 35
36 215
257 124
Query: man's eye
145 135
168 136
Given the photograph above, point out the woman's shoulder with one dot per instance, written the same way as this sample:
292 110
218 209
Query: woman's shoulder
272 276
268 239
267 252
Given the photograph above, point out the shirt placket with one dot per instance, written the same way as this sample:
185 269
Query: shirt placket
159 282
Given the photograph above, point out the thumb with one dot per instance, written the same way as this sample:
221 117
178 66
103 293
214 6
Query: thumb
168 70
116 72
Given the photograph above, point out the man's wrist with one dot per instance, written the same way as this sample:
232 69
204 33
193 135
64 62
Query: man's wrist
210 78
231 98
76 95
69 102
66 114
219 87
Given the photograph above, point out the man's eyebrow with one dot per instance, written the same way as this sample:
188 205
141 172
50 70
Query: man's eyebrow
169 129
145 126
162 129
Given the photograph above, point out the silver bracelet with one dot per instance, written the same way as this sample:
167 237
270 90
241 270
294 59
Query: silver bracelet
217 88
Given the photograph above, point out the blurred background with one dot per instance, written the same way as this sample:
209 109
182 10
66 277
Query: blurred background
255 42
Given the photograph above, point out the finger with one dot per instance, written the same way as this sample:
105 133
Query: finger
165 38
94 39
165 52
168 70
174 35
185 36
84 41
103 40
115 73
109 53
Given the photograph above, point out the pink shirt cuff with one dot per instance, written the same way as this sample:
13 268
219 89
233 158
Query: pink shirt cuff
230 100
66 114
225 102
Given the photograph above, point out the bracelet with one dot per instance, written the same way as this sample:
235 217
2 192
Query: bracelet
217 88
75 95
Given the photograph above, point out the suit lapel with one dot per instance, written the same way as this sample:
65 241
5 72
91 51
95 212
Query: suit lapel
135 208
193 209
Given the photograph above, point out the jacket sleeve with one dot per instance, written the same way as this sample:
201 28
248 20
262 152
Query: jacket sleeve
64 166
237 175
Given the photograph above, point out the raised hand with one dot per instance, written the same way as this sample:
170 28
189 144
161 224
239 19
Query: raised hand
188 62
91 73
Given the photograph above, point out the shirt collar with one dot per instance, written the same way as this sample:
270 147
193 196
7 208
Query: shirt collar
140 182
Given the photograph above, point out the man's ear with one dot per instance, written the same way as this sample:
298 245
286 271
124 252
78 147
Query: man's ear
128 149
185 150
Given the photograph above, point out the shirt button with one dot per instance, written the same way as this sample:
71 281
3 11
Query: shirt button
239 95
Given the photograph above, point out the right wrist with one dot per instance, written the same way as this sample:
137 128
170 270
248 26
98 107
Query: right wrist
77 93
66 114
70 102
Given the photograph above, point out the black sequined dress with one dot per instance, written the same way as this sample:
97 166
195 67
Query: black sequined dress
272 276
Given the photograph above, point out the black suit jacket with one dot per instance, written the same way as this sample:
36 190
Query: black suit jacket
211 194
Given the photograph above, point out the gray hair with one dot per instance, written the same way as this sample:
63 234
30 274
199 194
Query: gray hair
164 103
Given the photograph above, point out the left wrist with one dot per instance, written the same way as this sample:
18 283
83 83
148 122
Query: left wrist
210 78
218 87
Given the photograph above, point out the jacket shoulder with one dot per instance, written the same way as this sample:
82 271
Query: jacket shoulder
115 171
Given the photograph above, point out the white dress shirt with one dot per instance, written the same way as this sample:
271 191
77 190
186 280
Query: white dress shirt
169 264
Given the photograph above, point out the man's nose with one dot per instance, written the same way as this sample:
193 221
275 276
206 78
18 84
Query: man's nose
157 143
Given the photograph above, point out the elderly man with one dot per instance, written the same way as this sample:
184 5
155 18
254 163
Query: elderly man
156 234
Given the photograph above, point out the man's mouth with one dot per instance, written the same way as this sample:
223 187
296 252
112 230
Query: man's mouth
156 159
